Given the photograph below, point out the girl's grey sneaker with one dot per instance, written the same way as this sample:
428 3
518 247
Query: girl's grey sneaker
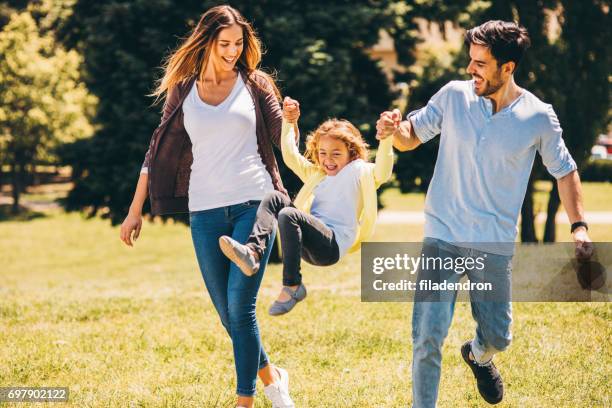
239 254
278 392
280 308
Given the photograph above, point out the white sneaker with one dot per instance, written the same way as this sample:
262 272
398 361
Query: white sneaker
278 392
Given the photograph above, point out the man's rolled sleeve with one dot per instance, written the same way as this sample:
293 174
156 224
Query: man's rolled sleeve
427 121
556 157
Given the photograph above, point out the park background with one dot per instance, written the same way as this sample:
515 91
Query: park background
134 326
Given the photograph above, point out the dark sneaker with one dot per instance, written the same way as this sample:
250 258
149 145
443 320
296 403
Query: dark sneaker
239 254
488 379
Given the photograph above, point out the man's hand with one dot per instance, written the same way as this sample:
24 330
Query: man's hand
388 123
584 245
291 110
570 192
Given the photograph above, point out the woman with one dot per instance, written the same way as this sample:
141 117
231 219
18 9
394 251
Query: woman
211 155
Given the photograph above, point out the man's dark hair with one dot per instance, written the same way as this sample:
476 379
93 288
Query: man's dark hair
506 40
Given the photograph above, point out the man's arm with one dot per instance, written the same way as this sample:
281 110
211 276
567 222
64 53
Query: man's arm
404 138
570 192
426 122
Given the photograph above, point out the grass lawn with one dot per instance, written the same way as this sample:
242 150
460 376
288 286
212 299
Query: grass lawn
597 197
134 327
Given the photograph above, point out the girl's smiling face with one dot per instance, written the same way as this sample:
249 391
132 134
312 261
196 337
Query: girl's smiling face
333 155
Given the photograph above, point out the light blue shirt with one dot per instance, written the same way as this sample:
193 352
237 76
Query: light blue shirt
484 162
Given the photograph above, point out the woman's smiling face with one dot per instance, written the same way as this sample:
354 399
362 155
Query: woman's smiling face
228 48
333 155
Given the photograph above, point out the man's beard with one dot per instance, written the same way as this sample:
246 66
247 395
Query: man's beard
490 86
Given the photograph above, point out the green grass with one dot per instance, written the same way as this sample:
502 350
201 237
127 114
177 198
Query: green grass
596 196
392 199
135 327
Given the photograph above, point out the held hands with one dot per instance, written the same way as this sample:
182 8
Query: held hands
388 123
291 110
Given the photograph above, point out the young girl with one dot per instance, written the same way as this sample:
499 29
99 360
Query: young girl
333 212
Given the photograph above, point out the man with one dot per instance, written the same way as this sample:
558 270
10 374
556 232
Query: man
490 132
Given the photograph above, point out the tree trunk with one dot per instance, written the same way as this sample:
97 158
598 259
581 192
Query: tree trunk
34 178
528 233
551 213
18 178
16 186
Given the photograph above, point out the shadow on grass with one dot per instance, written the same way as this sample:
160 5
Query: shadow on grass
24 214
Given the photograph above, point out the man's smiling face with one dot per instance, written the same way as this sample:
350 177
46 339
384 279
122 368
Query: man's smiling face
487 74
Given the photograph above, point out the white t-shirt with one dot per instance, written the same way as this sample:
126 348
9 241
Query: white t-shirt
226 169
336 201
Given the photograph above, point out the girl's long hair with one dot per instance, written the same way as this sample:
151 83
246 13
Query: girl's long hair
342 130
192 56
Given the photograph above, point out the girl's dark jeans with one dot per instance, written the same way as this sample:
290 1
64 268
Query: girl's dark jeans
302 236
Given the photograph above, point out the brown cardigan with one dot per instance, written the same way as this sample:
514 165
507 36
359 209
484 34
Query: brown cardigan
169 156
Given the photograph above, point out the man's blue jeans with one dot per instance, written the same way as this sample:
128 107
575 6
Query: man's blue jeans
431 318
233 293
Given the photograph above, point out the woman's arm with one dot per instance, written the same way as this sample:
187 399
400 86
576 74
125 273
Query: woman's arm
273 114
172 100
270 109
140 195
133 221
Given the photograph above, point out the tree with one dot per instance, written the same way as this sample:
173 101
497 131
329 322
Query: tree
317 48
8 8
414 169
42 101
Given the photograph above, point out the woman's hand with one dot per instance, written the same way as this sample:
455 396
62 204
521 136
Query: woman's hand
291 110
132 223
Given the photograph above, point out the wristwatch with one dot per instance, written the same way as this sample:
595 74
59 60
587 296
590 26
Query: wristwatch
579 224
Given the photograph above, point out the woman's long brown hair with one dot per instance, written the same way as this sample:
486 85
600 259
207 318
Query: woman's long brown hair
192 56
